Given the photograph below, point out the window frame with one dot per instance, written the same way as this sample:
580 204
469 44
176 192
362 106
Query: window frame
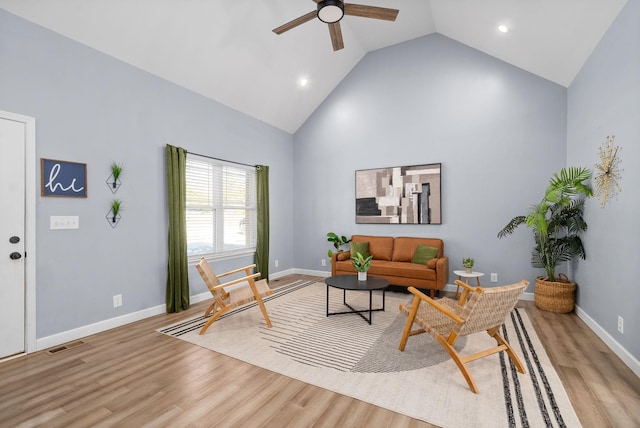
218 205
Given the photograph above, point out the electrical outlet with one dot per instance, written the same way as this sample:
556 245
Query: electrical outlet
276 263
620 324
494 277
117 300
323 262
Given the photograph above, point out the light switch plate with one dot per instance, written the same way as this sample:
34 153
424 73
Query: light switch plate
64 222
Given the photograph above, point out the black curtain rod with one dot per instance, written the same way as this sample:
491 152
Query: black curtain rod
223 160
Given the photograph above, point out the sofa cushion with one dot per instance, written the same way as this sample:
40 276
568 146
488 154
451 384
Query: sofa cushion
380 247
343 256
401 269
405 247
423 254
431 264
359 247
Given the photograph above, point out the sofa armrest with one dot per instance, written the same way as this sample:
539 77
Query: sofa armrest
442 272
334 258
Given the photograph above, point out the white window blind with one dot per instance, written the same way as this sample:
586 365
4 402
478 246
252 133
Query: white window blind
221 207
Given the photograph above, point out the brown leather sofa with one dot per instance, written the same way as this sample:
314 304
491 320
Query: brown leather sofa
392 261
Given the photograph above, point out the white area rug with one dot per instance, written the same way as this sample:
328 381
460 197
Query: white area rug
345 354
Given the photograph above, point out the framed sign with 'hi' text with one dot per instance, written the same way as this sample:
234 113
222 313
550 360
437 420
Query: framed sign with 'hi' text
62 178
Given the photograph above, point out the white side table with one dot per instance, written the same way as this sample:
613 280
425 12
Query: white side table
464 274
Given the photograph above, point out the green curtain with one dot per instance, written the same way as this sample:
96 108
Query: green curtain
177 274
262 240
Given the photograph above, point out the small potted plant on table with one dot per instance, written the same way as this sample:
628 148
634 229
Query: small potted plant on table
362 265
467 262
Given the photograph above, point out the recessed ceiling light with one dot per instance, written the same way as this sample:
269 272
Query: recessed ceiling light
303 82
503 28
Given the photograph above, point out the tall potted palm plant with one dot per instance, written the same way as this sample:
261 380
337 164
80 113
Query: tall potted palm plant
557 222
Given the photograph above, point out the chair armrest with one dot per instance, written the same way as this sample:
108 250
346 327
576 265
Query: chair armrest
446 311
231 272
466 289
236 281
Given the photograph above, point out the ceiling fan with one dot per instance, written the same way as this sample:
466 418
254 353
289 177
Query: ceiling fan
332 11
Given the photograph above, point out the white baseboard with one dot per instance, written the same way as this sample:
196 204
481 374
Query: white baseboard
280 274
200 297
322 273
617 349
88 330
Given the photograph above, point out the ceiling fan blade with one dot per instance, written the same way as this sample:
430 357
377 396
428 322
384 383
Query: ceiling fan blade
336 36
371 12
293 24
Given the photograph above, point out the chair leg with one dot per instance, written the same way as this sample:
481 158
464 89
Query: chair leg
210 309
214 318
456 358
510 352
263 309
410 318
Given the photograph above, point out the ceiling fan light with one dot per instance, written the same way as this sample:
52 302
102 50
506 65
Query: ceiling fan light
330 11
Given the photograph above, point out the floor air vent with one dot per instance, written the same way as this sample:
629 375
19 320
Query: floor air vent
65 347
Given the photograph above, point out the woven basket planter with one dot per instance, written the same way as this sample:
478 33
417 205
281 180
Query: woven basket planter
558 296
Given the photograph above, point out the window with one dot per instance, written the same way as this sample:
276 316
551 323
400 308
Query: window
221 208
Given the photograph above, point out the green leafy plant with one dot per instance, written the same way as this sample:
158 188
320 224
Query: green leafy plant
557 221
467 262
116 207
338 241
116 171
360 263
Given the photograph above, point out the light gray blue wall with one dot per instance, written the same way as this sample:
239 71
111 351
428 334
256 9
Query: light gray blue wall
604 99
94 109
498 131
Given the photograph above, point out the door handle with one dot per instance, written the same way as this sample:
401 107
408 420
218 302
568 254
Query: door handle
15 256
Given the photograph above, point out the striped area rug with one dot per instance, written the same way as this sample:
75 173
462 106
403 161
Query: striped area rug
345 354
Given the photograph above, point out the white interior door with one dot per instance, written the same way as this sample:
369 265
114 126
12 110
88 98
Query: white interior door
13 321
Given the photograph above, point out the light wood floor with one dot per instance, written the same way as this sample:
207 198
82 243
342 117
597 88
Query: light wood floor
132 376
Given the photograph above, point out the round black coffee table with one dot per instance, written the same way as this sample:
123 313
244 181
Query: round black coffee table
350 282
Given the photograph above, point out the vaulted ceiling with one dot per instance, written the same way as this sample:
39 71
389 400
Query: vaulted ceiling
226 50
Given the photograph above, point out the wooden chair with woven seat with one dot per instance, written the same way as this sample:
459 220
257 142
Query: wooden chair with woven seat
234 293
479 309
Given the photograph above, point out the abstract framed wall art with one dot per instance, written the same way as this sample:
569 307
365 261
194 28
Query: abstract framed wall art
399 195
62 178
